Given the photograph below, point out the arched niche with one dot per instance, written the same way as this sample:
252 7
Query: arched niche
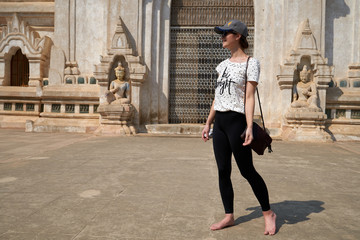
303 52
19 69
304 122
18 35
121 51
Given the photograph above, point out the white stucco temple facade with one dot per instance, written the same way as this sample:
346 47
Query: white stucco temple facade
57 59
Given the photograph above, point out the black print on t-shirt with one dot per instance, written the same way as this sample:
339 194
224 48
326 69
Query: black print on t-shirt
223 84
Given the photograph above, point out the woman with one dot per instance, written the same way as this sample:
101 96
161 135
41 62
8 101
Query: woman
233 117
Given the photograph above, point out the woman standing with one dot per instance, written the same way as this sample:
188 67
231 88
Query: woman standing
233 117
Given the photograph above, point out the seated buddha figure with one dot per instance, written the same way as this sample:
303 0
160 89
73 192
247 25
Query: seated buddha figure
305 92
119 92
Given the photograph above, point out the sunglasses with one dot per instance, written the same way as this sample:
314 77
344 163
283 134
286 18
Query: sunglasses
225 33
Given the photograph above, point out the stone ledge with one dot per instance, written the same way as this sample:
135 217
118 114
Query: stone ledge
191 130
62 125
14 92
27 7
74 92
171 129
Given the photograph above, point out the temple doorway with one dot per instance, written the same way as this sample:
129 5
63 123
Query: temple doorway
195 50
19 70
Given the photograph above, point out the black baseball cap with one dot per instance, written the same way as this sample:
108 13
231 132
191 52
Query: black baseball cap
233 25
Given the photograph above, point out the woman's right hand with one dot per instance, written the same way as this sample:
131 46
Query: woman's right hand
248 136
205 133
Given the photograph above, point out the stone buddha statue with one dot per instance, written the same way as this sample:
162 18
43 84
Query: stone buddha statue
305 92
116 111
119 92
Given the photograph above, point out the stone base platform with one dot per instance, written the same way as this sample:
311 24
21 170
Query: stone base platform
15 121
306 134
116 119
115 130
62 125
344 129
305 125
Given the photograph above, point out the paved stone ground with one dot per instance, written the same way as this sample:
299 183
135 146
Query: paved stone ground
73 186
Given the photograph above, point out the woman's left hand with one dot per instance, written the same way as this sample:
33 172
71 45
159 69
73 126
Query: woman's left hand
248 136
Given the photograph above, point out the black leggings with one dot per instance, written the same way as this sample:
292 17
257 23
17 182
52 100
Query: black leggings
228 127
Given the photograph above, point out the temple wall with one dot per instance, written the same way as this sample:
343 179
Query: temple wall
90 29
82 31
336 31
276 23
147 24
95 27
342 35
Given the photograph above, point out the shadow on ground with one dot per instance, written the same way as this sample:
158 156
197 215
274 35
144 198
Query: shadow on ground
288 212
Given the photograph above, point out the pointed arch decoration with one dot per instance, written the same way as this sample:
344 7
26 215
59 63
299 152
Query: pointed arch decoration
18 35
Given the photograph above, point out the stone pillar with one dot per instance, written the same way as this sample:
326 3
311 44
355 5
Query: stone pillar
155 32
65 34
285 81
164 64
135 100
2 71
35 74
354 66
62 23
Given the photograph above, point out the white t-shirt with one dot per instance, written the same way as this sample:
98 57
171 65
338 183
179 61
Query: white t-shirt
230 85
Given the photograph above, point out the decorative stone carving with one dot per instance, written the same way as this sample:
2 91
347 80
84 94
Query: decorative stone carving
116 119
305 92
71 70
115 108
17 34
119 92
303 81
354 73
121 118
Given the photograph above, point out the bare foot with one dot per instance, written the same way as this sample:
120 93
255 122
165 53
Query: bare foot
270 222
226 222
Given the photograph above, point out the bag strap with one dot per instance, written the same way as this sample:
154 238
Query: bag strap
258 96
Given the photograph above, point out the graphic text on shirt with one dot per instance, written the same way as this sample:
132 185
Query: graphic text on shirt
223 84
